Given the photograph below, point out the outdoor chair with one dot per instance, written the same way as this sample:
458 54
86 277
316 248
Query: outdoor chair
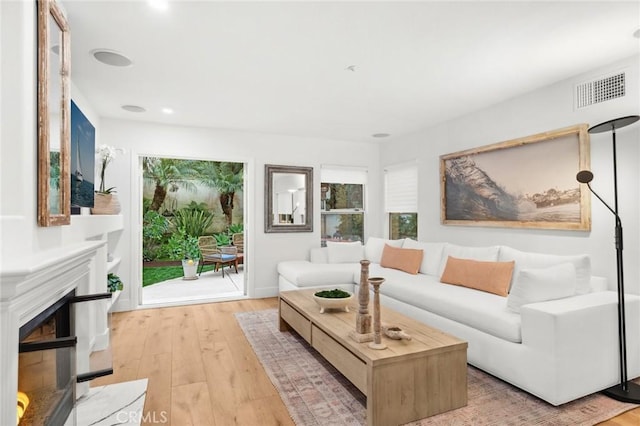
218 256
238 241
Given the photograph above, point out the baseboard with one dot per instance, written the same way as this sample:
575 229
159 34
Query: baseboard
261 293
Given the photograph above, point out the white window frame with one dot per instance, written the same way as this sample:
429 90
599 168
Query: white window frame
345 175
400 191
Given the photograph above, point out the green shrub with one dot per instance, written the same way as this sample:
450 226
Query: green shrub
222 239
194 222
236 228
146 205
197 206
154 227
181 246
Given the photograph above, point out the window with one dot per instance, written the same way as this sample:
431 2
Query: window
401 200
342 204
403 225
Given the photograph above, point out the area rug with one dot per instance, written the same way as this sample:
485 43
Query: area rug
315 393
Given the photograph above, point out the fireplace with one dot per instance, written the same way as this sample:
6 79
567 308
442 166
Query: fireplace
47 365
47 335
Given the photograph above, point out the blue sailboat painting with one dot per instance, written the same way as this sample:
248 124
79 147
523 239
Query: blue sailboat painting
83 160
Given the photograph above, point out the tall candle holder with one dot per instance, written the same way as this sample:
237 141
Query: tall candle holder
377 335
363 332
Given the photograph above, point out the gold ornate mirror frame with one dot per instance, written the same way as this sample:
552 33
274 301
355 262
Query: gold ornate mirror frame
54 103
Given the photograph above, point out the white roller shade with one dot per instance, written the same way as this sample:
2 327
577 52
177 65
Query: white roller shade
338 174
401 189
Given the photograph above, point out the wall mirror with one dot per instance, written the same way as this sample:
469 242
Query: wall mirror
288 203
54 102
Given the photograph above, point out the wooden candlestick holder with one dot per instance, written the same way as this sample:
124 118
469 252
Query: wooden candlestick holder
377 335
363 332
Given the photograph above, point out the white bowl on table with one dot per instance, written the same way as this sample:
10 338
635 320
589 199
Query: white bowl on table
333 302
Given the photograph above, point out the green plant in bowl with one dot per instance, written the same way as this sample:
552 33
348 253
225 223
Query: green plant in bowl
333 294
333 299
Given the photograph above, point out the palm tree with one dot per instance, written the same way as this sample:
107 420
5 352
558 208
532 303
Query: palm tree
227 178
167 174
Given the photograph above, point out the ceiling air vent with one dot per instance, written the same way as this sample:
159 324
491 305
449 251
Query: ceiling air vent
600 90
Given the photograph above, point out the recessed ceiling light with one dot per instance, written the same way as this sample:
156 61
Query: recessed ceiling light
111 57
167 110
133 108
636 34
381 135
159 4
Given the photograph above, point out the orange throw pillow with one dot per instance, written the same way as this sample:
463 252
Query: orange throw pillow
407 260
492 277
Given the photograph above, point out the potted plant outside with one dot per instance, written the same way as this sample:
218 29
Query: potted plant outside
184 247
190 269
190 257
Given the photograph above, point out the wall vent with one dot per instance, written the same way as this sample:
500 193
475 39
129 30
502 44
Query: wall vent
600 90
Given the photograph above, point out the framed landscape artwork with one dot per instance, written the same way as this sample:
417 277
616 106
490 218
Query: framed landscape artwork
528 182
83 158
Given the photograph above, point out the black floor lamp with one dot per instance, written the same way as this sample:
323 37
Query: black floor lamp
625 391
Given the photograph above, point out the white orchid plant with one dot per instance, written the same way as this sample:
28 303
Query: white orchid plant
105 154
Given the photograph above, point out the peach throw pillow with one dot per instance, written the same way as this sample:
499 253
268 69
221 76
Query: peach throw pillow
407 260
492 277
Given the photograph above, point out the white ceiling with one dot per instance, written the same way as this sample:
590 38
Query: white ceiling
281 67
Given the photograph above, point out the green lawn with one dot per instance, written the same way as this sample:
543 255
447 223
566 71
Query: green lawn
156 274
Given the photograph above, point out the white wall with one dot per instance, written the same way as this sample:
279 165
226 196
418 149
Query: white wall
18 146
263 251
545 109
19 232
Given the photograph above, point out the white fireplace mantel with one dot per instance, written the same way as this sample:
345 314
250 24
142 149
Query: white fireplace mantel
28 285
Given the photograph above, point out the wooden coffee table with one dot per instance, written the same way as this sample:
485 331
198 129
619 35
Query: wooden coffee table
407 381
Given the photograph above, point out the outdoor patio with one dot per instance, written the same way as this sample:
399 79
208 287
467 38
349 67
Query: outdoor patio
210 285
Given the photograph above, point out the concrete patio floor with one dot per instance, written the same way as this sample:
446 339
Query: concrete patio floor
209 285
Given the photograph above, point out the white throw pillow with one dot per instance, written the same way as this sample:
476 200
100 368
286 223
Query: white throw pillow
530 260
483 254
539 285
373 248
432 255
349 252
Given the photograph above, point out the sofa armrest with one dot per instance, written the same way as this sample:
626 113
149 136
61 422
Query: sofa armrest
599 283
582 331
571 317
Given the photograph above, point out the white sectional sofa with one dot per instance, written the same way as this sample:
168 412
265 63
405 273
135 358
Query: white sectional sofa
559 349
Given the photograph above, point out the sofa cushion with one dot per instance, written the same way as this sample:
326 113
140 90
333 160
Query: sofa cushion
319 255
485 254
483 311
492 277
306 274
431 257
530 260
373 248
540 285
407 260
347 252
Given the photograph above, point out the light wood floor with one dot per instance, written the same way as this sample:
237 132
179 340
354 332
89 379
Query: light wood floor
201 369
